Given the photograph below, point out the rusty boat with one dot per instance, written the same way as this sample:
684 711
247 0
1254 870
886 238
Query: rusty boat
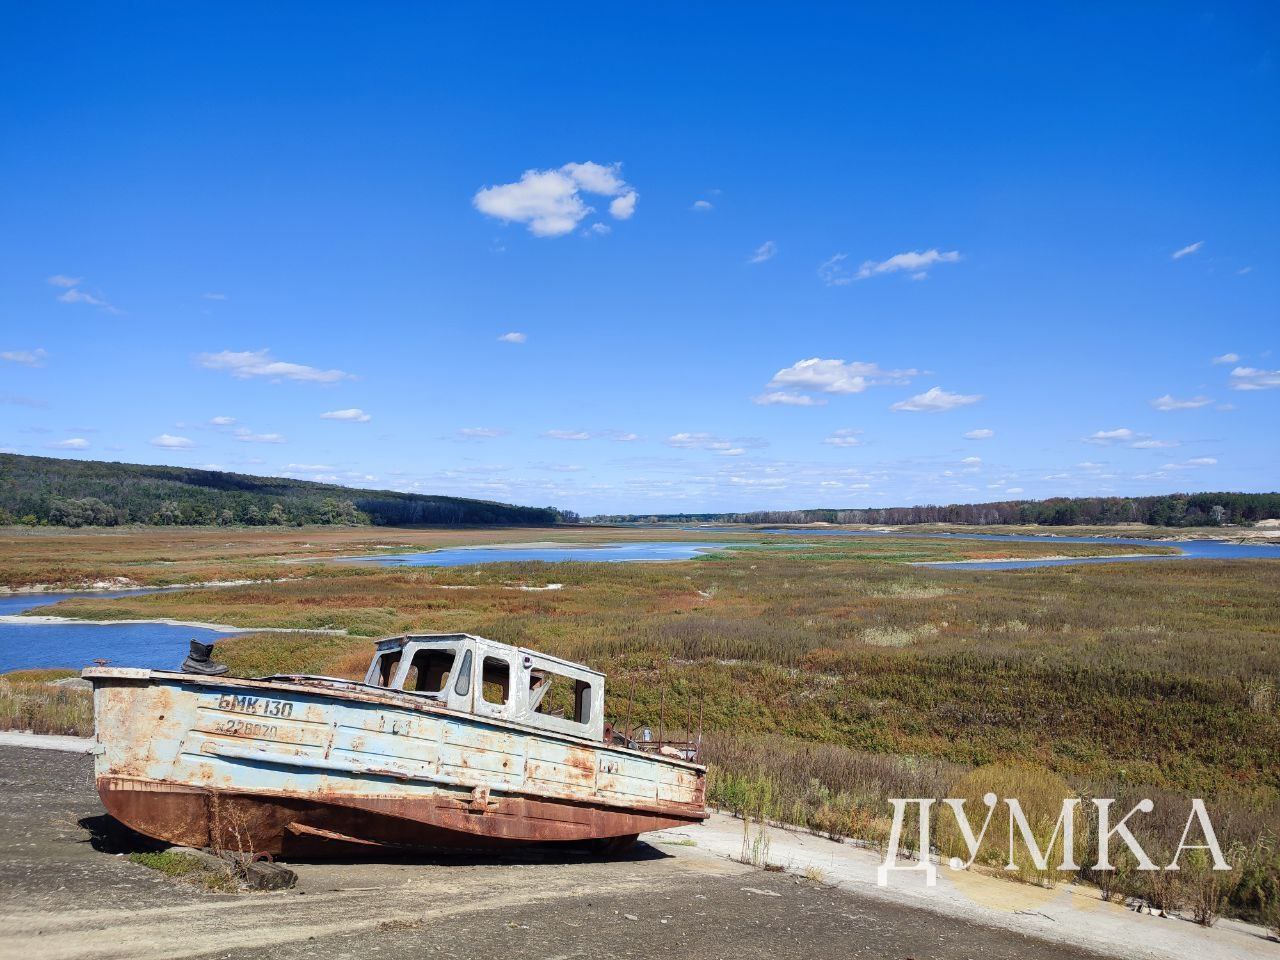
450 741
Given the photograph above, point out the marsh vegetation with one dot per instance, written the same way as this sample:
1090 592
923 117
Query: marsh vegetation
829 675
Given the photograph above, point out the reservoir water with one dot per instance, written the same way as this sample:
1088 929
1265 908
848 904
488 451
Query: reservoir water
596 553
1190 549
25 646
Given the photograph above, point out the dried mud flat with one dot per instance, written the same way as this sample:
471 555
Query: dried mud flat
62 898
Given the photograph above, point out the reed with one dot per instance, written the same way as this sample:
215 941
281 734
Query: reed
29 701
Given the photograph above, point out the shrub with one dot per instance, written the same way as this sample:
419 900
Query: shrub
1204 890
1040 793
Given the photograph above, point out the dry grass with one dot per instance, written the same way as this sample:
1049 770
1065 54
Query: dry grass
188 869
28 701
1161 670
162 556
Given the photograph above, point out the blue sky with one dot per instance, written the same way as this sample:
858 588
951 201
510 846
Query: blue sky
755 256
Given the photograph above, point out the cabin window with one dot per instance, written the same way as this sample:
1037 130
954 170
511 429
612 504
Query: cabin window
557 695
582 701
387 664
429 670
496 681
462 685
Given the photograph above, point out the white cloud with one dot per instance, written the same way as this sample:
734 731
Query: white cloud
171 442
222 421
550 202
79 296
1107 437
513 337
702 206
74 443
76 295
833 272
835 376
1186 251
1014 490
624 206
72 294
1251 378
599 230
214 296
971 460
1123 436
28 358
1227 358
936 400
481 433
980 434
1202 461
350 415
324 473
245 435
844 437
787 398
1167 402
597 177
618 436
766 251
259 363
915 262
718 445
567 435
1243 271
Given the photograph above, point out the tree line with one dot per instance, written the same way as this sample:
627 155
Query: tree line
45 491
1170 510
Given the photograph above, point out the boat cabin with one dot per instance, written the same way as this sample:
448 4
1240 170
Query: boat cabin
490 679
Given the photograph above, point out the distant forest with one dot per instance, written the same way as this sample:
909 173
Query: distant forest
43 491
1171 510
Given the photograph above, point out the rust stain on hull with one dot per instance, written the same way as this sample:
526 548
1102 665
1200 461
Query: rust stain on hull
269 824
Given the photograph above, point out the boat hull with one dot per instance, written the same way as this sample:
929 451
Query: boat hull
260 823
269 768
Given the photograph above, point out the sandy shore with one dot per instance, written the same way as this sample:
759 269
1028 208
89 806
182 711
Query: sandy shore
122 584
1068 914
1268 531
61 897
1092 559
37 620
